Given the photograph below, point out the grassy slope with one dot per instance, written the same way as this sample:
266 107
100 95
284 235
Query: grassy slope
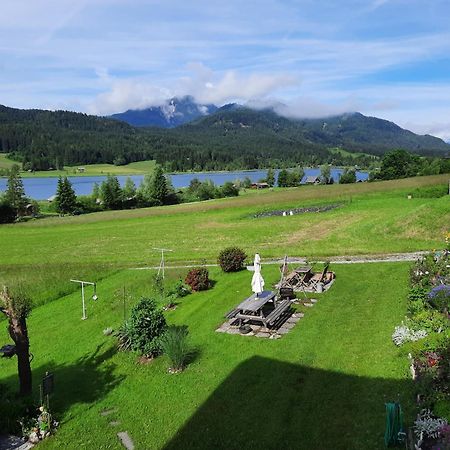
322 386
135 168
375 218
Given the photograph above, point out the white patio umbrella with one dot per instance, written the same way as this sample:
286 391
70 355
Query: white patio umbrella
257 279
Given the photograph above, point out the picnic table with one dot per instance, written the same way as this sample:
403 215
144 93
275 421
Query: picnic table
251 309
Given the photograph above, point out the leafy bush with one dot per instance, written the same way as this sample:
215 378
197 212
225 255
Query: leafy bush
175 345
232 259
7 212
87 204
437 191
429 320
198 279
179 289
143 329
12 409
417 293
229 190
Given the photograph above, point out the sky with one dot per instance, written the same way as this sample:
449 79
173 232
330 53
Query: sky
308 58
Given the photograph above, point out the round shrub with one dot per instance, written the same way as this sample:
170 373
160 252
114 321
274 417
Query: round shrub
146 324
232 259
7 213
198 279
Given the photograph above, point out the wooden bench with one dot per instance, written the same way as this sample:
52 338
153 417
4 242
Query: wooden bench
277 312
232 314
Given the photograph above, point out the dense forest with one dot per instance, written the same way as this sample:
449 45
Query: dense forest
230 138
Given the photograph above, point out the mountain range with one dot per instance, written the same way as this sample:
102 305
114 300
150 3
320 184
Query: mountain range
174 112
206 138
349 130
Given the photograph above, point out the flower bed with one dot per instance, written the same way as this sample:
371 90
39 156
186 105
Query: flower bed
425 337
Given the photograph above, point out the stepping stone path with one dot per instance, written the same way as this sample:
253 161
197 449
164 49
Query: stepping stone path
114 423
14 443
125 439
107 412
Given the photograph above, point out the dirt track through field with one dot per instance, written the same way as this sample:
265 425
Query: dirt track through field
359 259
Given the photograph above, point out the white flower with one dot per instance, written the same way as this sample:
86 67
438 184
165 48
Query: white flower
428 425
404 334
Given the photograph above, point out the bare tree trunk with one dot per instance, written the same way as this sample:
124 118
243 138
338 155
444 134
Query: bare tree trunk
19 334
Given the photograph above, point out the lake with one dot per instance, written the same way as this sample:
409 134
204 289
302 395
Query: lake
43 188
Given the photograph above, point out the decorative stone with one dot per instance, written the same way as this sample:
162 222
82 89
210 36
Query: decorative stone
283 330
233 331
125 439
313 300
308 304
289 325
107 412
262 334
33 438
293 319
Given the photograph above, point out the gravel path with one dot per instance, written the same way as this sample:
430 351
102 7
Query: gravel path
387 257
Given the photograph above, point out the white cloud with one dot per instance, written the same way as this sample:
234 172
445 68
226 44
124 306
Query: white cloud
203 84
128 94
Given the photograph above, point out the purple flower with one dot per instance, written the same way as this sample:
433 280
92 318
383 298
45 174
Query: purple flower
441 290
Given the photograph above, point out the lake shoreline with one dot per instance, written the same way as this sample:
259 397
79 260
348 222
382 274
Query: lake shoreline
42 188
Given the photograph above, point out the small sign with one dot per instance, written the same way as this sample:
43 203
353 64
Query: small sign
47 384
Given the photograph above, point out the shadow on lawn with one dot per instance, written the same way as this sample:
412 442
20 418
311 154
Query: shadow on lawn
268 404
87 380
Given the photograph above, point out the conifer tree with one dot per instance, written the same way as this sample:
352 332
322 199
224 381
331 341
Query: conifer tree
66 199
270 178
129 190
15 192
95 192
283 178
325 174
159 185
111 193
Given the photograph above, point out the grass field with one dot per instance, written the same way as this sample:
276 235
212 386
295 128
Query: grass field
135 168
323 385
374 218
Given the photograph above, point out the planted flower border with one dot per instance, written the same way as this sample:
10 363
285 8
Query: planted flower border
425 338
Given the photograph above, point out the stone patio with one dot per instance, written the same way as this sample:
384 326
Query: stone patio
231 326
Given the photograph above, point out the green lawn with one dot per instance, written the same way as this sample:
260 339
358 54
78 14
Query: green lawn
323 385
135 168
374 218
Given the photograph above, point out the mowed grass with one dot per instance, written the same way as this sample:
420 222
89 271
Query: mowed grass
374 218
323 385
135 168
6 163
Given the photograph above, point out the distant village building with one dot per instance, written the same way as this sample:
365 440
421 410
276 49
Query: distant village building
81 169
312 179
51 199
259 186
